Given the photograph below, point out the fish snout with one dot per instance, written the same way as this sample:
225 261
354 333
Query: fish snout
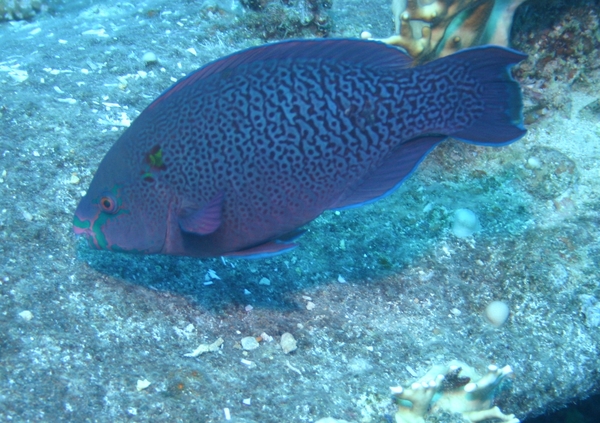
83 228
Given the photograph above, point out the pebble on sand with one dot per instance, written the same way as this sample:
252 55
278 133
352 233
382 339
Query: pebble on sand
288 343
26 315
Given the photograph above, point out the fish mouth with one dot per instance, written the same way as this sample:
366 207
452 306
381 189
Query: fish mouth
83 228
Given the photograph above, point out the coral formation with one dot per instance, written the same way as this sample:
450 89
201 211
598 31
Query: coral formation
19 9
451 389
286 19
446 26
548 173
562 39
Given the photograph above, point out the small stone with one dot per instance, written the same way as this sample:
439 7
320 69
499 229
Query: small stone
249 343
288 343
310 305
264 281
533 163
149 58
74 179
26 315
142 384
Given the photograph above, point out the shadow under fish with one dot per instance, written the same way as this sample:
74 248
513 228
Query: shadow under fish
235 157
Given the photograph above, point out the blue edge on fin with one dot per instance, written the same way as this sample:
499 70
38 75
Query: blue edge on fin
269 249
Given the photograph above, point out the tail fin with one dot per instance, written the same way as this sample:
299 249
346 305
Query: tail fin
502 120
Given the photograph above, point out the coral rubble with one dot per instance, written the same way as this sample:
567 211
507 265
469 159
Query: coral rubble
452 389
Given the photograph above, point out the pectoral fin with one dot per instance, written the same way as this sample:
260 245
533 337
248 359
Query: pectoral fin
202 220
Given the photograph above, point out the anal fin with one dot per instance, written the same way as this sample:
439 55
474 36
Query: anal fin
384 180
269 249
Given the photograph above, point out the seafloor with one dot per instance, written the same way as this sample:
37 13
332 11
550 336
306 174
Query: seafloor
372 295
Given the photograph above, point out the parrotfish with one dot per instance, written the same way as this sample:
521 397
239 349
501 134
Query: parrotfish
236 157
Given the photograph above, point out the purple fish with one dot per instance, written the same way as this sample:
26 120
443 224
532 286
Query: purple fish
235 157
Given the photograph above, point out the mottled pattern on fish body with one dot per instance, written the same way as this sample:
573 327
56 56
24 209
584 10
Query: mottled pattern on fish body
260 147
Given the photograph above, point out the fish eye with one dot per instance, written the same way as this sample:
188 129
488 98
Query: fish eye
108 203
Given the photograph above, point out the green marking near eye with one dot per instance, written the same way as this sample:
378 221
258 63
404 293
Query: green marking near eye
81 224
104 217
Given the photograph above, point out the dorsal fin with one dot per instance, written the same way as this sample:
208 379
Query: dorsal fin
367 53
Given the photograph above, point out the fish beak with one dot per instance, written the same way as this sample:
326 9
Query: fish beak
83 227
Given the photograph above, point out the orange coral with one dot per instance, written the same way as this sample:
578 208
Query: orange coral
446 26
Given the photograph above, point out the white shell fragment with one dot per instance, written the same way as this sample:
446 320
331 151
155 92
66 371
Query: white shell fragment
210 275
203 348
99 32
266 337
533 163
497 313
247 362
465 223
142 384
18 75
288 343
149 58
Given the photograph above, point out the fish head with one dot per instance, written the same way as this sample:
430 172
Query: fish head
125 209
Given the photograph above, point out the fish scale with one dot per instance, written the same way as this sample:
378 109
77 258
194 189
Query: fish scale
237 156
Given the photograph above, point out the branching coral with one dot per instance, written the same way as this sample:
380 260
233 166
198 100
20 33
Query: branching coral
434 28
452 389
